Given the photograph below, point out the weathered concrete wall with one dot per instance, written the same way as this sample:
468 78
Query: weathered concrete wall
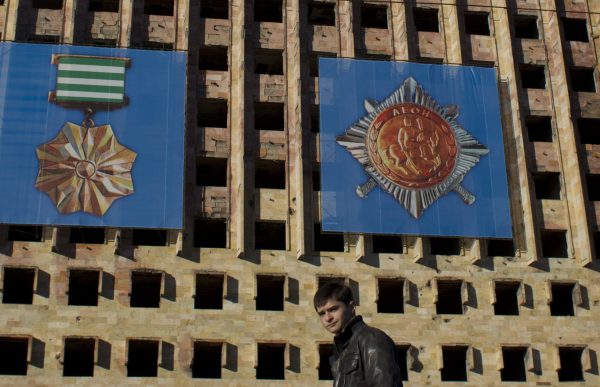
239 324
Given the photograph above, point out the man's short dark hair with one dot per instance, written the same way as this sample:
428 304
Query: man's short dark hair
334 290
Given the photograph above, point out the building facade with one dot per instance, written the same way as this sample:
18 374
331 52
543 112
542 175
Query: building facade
228 299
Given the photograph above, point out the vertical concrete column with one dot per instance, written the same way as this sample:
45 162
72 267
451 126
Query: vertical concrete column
126 19
451 31
182 20
347 50
579 232
237 105
69 12
400 47
399 30
10 22
346 22
525 236
297 196
594 9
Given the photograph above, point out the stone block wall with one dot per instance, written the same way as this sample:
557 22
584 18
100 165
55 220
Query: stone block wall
269 182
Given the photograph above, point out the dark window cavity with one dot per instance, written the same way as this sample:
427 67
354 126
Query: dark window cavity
209 291
269 235
210 232
83 287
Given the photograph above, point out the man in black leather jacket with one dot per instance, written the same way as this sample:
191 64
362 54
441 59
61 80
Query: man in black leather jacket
362 355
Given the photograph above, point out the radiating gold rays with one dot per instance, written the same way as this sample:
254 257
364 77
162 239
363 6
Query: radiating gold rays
85 169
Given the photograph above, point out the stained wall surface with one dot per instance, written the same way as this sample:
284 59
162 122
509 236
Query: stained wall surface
252 197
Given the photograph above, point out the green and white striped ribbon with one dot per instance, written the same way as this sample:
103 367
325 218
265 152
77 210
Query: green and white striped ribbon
89 79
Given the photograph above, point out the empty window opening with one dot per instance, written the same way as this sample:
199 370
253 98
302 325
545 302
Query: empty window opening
589 130
449 299
593 187
582 80
145 289
327 241
46 39
88 235
526 27
390 295
270 363
507 302
547 185
562 300
142 358
426 19
539 128
213 58
315 116
207 360
269 174
268 11
444 246
313 61
322 280
513 359
269 292
387 244
24 233
570 364
211 171
145 237
383 57
210 233
554 243
209 291
575 29
101 42
158 7
532 76
83 287
269 235
269 116
454 364
155 45
13 355
18 285
79 357
373 16
325 352
322 14
212 112
267 61
214 9
401 354
596 236
500 248
103 6
316 177
477 23
46 4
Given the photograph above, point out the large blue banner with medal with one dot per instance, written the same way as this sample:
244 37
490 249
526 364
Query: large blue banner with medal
91 136
410 148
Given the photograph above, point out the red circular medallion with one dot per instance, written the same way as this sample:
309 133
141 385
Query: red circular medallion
412 146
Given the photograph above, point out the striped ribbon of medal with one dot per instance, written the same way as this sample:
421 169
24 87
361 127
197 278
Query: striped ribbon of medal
88 79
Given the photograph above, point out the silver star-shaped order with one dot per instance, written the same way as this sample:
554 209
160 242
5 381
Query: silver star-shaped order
414 200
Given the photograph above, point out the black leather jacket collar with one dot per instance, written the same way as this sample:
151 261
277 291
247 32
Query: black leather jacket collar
364 357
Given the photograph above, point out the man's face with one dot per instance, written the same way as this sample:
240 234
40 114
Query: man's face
335 314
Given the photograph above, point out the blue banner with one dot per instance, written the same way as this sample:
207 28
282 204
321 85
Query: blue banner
410 148
91 136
